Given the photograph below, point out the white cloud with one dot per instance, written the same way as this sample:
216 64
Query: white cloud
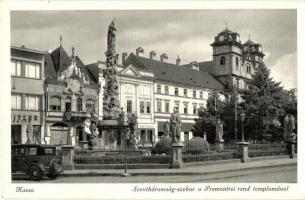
285 70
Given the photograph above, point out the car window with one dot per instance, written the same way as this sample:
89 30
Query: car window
32 151
18 151
49 151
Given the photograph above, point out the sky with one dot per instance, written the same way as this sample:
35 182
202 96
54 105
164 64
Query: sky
187 33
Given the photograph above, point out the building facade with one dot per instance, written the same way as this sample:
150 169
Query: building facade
27 94
57 93
175 86
71 94
136 96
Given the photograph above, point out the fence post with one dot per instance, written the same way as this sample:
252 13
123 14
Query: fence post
243 151
177 161
68 157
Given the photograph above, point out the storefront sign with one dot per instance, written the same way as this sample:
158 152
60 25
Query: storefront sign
152 126
25 118
59 128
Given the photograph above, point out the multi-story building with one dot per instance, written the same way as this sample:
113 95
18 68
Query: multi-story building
27 94
71 94
175 86
136 87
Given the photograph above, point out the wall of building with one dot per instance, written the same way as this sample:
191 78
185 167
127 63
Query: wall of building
25 87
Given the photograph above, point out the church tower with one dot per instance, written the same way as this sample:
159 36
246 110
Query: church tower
252 52
227 57
227 53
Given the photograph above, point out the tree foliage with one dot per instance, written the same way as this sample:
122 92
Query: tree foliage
263 104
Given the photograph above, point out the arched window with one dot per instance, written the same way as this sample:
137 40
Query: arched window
90 107
236 61
55 103
222 60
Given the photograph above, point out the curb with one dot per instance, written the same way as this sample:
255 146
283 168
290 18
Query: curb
183 173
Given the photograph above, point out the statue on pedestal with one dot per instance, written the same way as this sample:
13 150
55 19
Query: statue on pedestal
175 126
219 130
29 133
289 126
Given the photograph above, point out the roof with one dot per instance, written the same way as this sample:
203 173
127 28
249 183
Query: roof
23 48
176 74
226 30
93 70
58 61
249 42
203 66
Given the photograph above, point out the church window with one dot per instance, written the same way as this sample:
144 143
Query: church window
222 60
236 61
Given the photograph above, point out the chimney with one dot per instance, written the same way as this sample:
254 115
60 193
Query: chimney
163 57
195 65
178 61
140 51
152 55
124 56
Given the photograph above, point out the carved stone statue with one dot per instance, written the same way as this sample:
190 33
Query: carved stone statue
175 126
219 131
111 36
289 126
29 133
111 106
166 129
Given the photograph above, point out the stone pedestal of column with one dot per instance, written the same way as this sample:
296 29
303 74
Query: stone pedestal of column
243 151
177 161
68 157
292 149
220 145
84 144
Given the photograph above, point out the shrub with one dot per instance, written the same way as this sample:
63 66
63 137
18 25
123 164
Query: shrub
121 159
197 145
163 146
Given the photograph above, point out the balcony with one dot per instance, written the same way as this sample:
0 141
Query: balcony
71 116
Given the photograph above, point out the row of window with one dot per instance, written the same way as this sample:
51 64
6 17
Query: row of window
25 69
177 105
177 92
55 104
145 107
26 102
223 62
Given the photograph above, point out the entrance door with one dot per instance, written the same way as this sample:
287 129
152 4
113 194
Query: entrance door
16 134
60 134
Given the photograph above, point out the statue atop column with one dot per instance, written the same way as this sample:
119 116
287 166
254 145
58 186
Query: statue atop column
111 107
175 126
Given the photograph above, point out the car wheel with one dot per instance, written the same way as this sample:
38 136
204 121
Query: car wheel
52 176
35 172
56 167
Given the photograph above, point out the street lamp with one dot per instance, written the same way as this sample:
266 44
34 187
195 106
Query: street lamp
242 117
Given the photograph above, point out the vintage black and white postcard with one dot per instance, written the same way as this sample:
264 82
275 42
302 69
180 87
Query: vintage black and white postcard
156 100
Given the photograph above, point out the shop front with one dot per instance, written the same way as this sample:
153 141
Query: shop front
20 122
146 135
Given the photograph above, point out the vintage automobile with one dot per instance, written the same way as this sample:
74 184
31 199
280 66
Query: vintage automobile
36 160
